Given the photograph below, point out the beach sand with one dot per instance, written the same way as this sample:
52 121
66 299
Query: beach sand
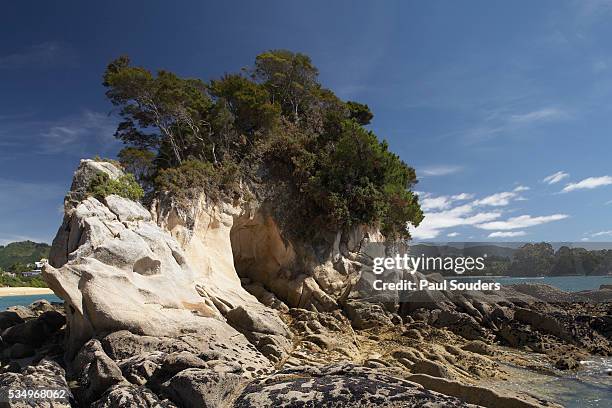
24 291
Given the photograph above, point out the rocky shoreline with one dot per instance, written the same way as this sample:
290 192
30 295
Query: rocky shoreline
212 306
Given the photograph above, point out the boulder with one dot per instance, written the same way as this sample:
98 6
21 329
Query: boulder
459 323
479 396
264 329
96 372
432 368
36 331
128 396
140 369
46 374
203 388
123 345
343 385
9 318
479 347
366 315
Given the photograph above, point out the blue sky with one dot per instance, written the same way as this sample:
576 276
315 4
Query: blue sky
484 98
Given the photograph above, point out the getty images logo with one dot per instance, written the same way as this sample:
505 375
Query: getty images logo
423 263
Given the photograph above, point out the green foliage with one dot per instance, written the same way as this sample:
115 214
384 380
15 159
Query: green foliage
360 112
193 176
139 162
125 186
532 260
160 110
356 180
25 252
277 129
21 281
290 78
248 102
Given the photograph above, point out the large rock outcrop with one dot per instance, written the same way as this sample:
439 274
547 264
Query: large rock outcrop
118 270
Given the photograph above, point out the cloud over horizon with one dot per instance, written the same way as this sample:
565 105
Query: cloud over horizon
507 234
522 221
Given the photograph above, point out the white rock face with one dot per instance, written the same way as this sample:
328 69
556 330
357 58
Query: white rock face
226 242
118 270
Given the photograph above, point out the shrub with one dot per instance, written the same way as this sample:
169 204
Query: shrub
125 186
193 177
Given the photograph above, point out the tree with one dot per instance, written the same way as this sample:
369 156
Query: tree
360 112
139 162
276 130
533 260
160 109
564 262
290 78
249 103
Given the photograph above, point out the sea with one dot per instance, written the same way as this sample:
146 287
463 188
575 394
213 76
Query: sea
8 301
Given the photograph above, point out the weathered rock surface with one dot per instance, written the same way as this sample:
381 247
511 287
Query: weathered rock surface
44 375
339 386
128 396
477 395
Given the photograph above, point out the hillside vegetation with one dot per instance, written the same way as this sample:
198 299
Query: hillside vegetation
24 252
272 128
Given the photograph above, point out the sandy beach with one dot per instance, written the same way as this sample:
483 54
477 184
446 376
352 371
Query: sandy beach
24 291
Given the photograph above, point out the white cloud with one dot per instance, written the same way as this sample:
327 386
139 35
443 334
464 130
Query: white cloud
538 115
507 234
601 233
430 202
588 183
453 234
497 199
608 202
442 170
462 196
521 188
555 178
435 203
584 239
522 221
435 222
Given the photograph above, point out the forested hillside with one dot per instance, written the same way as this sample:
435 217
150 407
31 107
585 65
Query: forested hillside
24 252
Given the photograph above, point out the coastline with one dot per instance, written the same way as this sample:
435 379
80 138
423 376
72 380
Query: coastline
24 291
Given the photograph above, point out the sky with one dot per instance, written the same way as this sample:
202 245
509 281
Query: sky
503 108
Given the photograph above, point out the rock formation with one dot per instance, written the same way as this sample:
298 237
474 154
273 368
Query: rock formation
212 305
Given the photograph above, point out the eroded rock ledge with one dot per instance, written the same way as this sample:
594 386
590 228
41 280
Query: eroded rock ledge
211 306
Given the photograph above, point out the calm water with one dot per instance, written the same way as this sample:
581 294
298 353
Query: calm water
589 387
7 301
566 283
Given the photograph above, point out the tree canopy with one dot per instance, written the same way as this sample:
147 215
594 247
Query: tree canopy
272 125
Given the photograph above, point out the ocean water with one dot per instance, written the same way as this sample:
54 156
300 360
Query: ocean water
8 301
589 387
